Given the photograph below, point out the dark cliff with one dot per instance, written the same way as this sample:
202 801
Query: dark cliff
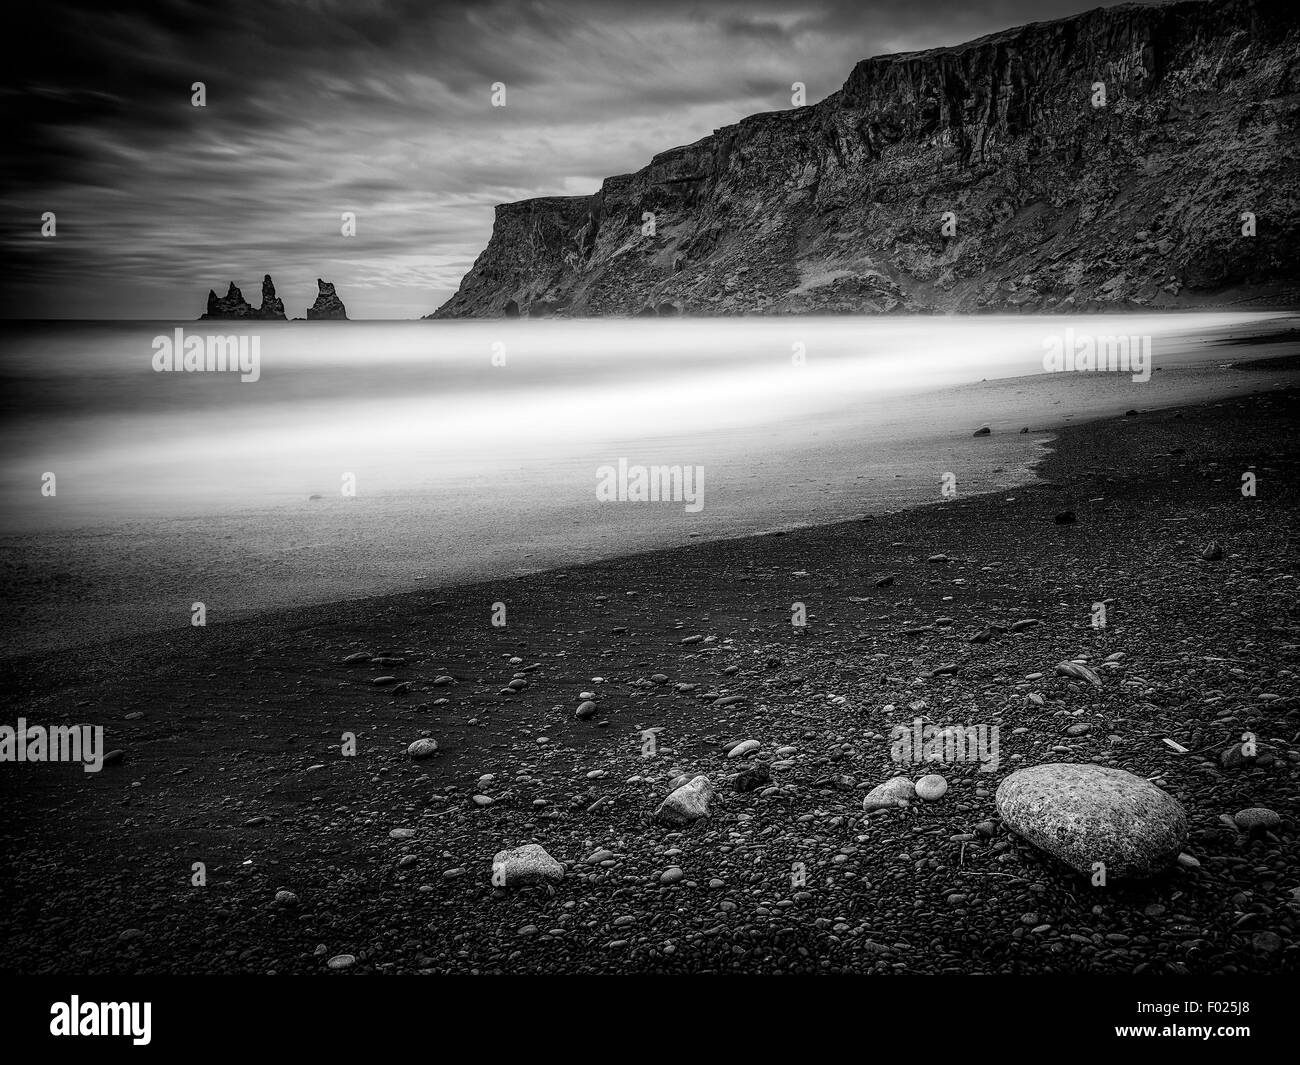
272 307
327 306
233 305
1057 204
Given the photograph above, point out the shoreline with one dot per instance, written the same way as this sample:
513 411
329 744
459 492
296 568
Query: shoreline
1047 449
231 746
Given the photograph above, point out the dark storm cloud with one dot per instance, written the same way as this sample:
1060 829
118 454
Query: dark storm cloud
379 107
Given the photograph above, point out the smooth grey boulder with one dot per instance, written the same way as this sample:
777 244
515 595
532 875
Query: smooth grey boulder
1084 814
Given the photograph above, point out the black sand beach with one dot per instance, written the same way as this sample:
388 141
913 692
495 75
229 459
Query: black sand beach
231 747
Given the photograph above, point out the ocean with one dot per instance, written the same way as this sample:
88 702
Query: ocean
362 458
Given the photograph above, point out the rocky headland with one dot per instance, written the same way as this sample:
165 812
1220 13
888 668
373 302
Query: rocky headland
1132 156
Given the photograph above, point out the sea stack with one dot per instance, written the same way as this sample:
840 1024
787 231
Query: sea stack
327 306
271 306
234 306
231 305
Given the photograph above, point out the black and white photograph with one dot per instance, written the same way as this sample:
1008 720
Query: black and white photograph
673 488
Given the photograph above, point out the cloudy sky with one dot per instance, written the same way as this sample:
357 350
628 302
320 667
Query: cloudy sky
379 107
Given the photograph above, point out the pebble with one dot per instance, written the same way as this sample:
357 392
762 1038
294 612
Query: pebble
1078 671
424 748
895 792
1266 942
753 778
528 864
341 961
690 802
1256 818
931 787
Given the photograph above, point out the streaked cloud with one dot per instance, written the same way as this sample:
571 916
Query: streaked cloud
381 108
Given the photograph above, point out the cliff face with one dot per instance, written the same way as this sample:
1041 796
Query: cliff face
1056 204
